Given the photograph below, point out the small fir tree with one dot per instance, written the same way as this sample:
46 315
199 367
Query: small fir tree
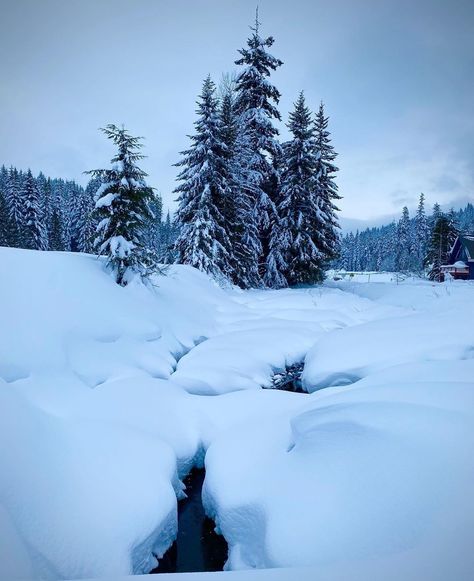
123 208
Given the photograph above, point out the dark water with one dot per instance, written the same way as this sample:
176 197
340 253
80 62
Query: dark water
197 547
289 379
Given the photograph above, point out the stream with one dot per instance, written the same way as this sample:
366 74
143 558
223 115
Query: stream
197 547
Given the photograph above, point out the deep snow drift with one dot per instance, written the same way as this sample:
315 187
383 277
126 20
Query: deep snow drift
104 405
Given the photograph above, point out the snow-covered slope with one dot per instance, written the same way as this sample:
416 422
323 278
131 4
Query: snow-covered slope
104 406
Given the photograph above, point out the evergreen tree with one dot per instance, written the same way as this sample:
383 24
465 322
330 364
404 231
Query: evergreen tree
436 214
34 227
7 230
123 207
422 233
294 254
238 211
442 239
55 232
153 226
16 208
256 105
3 180
453 221
87 218
45 202
203 192
403 256
168 237
329 240
7 233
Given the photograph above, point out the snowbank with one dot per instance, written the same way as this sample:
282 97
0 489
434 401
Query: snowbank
441 329
89 479
380 472
104 406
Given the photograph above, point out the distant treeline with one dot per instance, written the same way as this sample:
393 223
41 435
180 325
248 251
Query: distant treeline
401 246
43 213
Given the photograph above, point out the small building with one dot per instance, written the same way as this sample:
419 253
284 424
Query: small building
461 259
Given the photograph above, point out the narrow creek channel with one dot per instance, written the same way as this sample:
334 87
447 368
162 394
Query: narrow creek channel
197 547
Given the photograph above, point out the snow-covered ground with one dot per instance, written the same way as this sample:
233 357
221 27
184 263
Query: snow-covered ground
105 405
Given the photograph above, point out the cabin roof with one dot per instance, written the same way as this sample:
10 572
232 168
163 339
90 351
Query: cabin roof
468 243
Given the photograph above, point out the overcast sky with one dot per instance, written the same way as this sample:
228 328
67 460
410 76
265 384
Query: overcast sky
397 78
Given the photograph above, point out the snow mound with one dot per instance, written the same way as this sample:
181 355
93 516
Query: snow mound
442 331
377 472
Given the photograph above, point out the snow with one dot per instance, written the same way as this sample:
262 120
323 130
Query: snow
106 200
372 472
104 406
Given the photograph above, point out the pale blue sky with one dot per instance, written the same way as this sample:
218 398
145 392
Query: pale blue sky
397 78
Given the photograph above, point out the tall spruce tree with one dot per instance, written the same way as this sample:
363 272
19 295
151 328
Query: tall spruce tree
422 233
204 190
123 208
256 106
443 236
295 255
329 240
404 244
34 227
16 207
168 236
7 234
435 214
55 232
239 209
153 226
87 220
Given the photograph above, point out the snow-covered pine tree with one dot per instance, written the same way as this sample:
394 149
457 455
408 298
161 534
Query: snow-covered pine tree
168 236
453 220
80 206
238 212
435 214
403 254
153 226
7 231
34 226
3 180
16 208
203 241
256 102
87 217
55 232
443 237
44 200
422 233
295 255
329 240
123 208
